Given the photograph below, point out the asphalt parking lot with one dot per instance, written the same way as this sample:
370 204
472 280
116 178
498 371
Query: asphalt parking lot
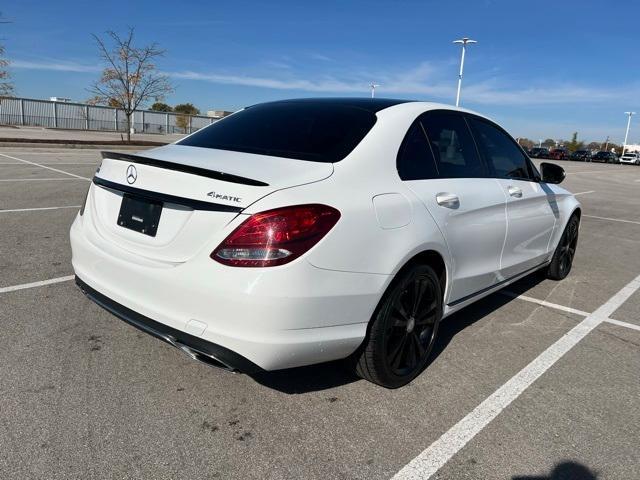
530 383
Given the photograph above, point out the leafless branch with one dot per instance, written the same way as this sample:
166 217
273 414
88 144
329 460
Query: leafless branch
130 78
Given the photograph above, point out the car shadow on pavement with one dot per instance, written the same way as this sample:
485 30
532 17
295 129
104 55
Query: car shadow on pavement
334 374
567 470
457 322
307 379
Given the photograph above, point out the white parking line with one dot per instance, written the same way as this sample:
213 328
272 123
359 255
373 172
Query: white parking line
57 152
583 193
37 179
88 163
36 284
612 219
442 450
45 166
623 324
544 303
37 209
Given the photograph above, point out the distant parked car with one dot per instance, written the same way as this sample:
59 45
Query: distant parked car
559 154
539 152
581 156
630 158
605 157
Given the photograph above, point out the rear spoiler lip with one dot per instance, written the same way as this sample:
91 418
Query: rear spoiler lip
163 197
179 167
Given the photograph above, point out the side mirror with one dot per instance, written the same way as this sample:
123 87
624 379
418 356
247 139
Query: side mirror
551 173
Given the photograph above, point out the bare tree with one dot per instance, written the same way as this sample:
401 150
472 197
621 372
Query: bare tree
6 86
130 78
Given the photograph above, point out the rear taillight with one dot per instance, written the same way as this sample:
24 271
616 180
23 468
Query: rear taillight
276 237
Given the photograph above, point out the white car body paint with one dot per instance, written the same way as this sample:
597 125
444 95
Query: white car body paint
317 307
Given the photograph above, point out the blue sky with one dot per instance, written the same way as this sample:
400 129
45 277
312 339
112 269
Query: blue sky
542 69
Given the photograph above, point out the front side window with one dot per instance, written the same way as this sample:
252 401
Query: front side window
452 145
500 151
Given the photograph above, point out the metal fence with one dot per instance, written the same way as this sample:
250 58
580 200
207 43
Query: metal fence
79 116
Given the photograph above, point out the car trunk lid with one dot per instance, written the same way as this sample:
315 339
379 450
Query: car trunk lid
198 190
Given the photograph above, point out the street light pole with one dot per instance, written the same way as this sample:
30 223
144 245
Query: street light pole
626 134
464 41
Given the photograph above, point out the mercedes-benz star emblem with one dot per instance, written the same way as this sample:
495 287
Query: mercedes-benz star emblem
132 174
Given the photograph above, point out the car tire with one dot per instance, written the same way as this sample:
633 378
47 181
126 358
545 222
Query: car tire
562 260
403 329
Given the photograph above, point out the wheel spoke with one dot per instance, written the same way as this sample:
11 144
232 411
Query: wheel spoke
398 322
396 356
397 305
410 353
419 286
427 317
420 348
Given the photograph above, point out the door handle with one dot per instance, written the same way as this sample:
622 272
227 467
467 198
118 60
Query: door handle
515 191
448 200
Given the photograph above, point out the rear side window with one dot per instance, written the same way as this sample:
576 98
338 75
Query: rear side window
318 132
452 145
415 159
500 151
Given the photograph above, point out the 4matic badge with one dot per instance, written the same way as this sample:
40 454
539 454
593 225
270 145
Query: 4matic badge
222 196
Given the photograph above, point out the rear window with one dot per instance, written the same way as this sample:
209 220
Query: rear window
318 132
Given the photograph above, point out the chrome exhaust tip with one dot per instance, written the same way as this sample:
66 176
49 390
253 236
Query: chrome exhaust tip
198 356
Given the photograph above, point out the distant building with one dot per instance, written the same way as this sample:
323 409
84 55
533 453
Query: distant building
60 99
632 147
218 113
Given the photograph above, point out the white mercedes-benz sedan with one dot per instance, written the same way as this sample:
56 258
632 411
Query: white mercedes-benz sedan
302 231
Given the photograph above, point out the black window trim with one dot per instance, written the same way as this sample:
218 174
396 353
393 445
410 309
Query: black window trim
418 119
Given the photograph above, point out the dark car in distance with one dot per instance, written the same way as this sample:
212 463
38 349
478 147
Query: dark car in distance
539 152
559 154
581 156
605 157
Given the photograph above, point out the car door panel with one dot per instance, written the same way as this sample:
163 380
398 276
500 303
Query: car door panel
531 218
441 166
531 207
474 229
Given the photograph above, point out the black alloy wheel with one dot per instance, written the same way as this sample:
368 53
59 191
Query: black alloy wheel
412 325
565 252
403 330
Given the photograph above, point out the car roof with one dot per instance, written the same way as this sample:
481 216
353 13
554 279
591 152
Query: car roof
373 105
378 105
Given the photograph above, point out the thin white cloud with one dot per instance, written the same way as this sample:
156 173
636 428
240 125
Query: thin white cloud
425 80
57 66
321 57
415 81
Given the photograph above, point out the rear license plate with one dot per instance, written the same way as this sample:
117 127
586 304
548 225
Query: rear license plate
140 214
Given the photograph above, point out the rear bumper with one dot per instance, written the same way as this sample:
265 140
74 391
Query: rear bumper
195 347
272 319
